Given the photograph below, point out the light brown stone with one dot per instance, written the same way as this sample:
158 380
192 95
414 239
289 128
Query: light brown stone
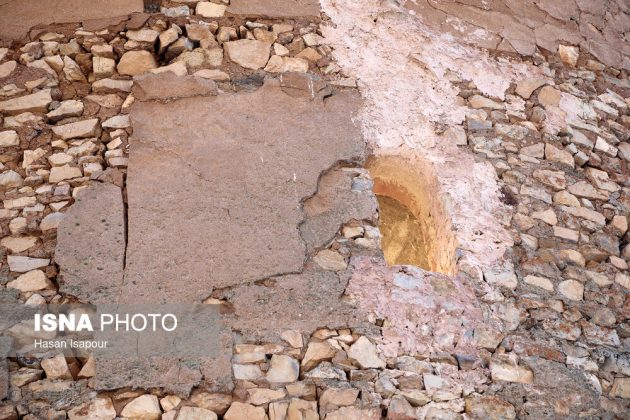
251 54
145 407
133 63
35 102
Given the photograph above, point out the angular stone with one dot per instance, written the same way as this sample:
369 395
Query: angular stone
478 101
100 408
260 396
21 264
35 102
80 129
279 64
210 10
195 413
133 63
56 368
355 413
218 403
169 86
569 55
526 87
491 408
111 85
144 407
317 352
240 411
143 35
31 282
251 54
283 369
542 282
71 108
504 371
7 68
118 121
10 179
553 154
549 96
363 351
330 260
72 71
621 388
103 67
571 289
61 173
93 229
9 138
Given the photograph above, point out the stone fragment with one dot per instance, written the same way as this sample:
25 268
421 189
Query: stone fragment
72 70
571 289
71 108
111 85
554 154
567 234
279 64
542 282
195 413
553 179
210 10
10 179
312 39
456 135
100 408
330 260
491 408
21 264
103 67
17 244
332 398
133 63
548 216
118 121
569 55
218 403
80 129
549 96
51 221
251 54
505 371
240 411
35 102
283 369
478 101
317 352
621 388
143 35
603 146
30 282
56 368
7 68
61 173
355 413
363 351
246 372
623 280
146 407
294 338
260 396
9 138
526 87
301 409
619 225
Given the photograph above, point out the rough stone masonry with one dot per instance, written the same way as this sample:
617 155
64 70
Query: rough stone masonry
212 152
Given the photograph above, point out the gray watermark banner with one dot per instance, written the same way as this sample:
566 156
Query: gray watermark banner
121 331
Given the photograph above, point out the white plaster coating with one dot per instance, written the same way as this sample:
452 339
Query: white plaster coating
403 71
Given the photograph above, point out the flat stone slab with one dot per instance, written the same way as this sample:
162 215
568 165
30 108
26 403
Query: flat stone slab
91 245
216 186
18 16
275 8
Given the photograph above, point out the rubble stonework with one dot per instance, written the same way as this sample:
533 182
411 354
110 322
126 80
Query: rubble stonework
137 146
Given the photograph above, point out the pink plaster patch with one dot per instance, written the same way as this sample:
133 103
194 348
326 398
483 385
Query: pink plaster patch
424 312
